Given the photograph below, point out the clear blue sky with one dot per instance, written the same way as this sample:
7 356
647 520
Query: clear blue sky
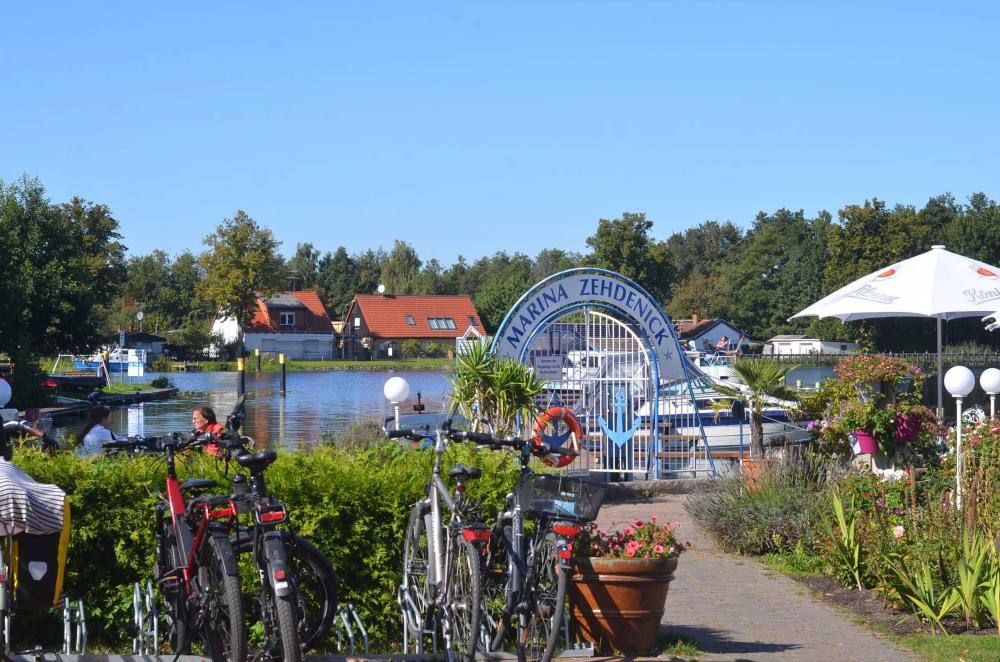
471 127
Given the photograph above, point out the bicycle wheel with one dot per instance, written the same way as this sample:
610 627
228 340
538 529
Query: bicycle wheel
285 611
462 599
223 629
497 603
415 565
545 590
317 589
169 559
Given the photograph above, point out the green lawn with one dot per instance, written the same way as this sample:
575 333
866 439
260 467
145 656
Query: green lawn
293 366
966 647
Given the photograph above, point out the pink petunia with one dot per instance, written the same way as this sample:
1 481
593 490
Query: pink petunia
639 524
652 518
628 530
658 549
630 553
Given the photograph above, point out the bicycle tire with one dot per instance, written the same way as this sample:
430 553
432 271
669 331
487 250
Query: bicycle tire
545 588
222 624
463 597
498 604
285 610
317 590
169 558
415 565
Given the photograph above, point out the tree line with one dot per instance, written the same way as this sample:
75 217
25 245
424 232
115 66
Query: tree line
69 287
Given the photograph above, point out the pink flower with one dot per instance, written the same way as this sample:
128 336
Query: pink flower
628 531
652 518
639 524
629 553
658 549
899 531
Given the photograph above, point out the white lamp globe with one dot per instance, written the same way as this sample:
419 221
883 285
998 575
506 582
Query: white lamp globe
4 392
959 381
990 380
396 389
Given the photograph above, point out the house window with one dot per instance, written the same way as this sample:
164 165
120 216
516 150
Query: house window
409 320
472 320
287 319
357 322
441 322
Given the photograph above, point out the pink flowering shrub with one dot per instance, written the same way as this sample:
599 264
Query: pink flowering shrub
641 540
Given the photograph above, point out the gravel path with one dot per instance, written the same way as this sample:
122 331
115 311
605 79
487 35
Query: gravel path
738 609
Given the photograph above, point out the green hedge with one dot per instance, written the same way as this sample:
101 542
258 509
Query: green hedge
351 503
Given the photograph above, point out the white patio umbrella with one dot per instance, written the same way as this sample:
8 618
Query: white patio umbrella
938 284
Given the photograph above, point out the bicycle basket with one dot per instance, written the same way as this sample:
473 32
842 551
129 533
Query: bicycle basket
560 496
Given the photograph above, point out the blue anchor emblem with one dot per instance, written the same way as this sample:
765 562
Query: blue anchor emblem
620 436
556 440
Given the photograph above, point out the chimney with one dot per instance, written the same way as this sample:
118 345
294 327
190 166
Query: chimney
694 319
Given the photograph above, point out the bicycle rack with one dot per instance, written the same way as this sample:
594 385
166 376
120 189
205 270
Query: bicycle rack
146 640
347 614
74 628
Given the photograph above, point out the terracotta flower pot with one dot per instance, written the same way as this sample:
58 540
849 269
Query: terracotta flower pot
617 604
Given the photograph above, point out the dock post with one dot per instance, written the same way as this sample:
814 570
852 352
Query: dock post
281 363
241 379
256 353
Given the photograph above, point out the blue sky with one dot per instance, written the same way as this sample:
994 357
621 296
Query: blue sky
471 127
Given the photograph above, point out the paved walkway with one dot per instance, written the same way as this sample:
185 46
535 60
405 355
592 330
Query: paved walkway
738 609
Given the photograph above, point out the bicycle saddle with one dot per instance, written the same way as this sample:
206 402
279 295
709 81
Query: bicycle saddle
257 461
462 472
198 484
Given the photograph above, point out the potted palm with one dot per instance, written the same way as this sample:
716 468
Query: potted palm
501 391
762 386
619 585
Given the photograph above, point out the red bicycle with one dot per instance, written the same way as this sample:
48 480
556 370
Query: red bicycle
196 568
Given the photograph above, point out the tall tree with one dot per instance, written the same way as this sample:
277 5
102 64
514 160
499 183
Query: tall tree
553 260
303 267
704 249
369 273
624 245
58 265
337 281
401 269
241 263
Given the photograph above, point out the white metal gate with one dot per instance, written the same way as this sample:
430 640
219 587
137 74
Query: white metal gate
598 366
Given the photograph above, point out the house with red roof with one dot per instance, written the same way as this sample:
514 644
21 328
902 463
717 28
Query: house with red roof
704 334
376 325
291 323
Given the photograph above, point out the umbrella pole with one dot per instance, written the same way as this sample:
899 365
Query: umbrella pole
940 373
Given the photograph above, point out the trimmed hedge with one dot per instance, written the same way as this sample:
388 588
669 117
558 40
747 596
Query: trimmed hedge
352 504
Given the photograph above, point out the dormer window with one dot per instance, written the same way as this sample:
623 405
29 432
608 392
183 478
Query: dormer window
410 321
472 320
287 319
439 323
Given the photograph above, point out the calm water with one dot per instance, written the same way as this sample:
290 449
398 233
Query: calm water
315 403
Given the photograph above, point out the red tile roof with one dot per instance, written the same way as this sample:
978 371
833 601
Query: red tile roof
386 315
316 320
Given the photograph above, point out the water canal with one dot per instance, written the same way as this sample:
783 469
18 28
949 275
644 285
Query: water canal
316 403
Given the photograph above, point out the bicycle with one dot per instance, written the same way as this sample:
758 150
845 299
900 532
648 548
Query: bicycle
196 569
298 596
441 559
526 573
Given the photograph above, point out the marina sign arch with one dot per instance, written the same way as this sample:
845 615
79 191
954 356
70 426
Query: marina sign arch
605 348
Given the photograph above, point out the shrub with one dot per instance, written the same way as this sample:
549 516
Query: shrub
351 502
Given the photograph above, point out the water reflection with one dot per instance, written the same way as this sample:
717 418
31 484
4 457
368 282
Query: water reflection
316 403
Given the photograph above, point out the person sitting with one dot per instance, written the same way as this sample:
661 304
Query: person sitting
736 350
204 421
723 344
96 431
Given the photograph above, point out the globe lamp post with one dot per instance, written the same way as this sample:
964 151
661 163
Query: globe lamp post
959 381
990 381
396 390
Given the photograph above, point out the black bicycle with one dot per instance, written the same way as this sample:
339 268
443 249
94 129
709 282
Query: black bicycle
527 563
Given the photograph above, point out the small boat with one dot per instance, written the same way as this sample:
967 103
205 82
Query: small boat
117 361
71 371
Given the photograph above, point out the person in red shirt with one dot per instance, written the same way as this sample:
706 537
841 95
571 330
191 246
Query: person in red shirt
203 420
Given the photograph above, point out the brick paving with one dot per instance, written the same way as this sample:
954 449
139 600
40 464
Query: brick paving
738 609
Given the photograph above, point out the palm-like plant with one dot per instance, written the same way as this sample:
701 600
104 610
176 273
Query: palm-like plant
501 391
763 384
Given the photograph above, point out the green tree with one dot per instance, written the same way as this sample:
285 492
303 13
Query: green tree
401 269
58 265
553 260
337 281
624 245
703 249
241 263
303 267
706 295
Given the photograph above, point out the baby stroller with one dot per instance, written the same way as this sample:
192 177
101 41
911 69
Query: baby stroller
34 538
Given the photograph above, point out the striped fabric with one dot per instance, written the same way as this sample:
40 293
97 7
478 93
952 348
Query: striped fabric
27 505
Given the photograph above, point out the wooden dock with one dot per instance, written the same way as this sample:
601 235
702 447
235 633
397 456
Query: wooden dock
81 408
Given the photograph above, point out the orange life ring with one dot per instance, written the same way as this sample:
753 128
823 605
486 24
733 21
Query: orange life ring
553 416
